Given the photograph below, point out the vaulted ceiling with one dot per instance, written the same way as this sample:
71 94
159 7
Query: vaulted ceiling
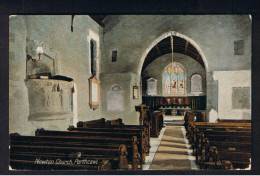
180 45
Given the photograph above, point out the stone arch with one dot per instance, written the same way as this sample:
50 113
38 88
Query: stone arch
165 35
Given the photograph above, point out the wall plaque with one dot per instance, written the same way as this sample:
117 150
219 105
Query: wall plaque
135 92
115 99
151 86
241 98
196 83
93 92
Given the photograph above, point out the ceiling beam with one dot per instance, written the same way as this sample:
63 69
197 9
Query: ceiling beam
198 57
158 50
186 46
164 47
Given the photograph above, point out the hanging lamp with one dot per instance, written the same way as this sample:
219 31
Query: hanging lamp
171 62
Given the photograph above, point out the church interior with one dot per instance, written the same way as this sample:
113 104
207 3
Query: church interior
130 92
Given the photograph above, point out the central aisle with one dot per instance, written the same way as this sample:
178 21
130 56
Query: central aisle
173 152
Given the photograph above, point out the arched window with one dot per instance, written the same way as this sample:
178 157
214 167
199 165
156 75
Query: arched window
196 83
174 80
93 56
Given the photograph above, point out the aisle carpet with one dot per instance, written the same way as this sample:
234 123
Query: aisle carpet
172 153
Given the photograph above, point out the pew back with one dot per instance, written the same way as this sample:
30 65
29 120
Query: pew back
48 152
230 140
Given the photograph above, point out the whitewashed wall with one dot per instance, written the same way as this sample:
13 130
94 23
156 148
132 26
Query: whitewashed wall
227 80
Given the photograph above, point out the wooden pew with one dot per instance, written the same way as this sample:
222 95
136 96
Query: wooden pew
234 120
229 139
156 123
145 121
126 130
191 133
228 146
194 116
118 121
188 117
220 124
48 152
200 115
118 124
101 121
190 130
216 126
219 132
237 153
104 139
237 159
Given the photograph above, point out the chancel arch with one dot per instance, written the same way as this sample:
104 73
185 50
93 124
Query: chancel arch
188 42
183 58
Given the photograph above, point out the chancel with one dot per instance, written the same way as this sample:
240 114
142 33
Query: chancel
130 92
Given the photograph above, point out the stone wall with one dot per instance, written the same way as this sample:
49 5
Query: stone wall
18 94
132 35
72 51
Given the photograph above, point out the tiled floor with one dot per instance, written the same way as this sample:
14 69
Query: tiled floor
173 152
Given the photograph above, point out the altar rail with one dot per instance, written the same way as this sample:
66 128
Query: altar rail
193 102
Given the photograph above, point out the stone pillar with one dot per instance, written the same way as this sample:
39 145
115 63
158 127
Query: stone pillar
212 95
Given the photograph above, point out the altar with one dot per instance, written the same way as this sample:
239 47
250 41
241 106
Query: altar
174 110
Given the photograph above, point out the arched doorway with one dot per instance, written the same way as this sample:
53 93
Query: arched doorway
180 94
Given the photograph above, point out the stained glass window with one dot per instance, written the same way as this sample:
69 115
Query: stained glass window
174 80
